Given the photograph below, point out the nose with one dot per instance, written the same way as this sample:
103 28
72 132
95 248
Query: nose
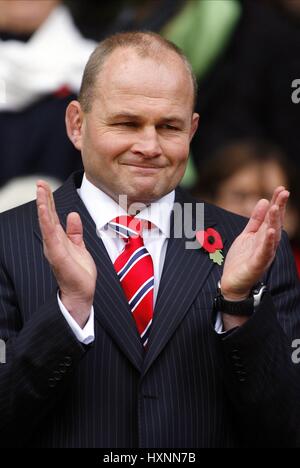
147 143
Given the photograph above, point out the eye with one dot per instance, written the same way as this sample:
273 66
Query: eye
126 124
169 127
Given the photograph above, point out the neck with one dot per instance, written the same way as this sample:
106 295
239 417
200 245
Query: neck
131 206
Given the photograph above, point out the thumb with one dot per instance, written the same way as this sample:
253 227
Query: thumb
74 228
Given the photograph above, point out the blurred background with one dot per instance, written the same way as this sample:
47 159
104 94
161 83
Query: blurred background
246 56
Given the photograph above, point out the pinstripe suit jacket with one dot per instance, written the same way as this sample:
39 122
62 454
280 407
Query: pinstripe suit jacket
193 388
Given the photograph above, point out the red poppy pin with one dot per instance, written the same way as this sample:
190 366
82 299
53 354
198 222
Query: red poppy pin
211 241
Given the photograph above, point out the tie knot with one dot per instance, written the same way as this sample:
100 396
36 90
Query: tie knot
127 226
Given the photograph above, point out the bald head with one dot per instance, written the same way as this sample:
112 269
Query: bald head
145 45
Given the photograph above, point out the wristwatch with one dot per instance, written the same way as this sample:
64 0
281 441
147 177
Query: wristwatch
245 307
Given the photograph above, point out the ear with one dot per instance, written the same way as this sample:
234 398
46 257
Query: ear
194 126
74 121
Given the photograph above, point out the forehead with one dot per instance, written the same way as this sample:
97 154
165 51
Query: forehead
128 76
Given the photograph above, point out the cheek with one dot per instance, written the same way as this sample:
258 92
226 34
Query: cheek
105 147
177 153
112 146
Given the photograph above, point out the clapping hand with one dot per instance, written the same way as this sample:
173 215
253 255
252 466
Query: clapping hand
254 249
73 266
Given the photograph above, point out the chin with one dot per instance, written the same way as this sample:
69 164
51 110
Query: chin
143 196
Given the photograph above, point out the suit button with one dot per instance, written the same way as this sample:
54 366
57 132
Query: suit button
239 369
57 376
62 368
238 364
51 382
241 376
67 361
235 357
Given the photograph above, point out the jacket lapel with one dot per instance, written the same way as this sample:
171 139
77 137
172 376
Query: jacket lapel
184 274
111 308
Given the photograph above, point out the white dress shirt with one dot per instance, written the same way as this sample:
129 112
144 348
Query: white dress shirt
104 209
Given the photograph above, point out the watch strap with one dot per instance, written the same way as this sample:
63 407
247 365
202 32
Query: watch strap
245 307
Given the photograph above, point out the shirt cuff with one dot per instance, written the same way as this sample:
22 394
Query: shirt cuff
85 335
219 324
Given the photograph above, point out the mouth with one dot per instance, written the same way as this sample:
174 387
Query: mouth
143 168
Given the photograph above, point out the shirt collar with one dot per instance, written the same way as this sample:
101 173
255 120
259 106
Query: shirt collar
103 208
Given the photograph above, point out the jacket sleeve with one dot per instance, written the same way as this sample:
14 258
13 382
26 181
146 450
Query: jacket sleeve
40 356
261 376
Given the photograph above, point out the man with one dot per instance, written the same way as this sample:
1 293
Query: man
79 371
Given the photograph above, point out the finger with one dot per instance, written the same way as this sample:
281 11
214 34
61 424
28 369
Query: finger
52 207
276 193
49 200
48 229
269 247
280 198
45 220
282 201
41 195
44 196
266 251
274 222
258 216
74 228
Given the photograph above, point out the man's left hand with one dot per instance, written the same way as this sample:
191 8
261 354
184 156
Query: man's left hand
253 251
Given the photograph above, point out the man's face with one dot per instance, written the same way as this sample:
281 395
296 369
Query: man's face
135 140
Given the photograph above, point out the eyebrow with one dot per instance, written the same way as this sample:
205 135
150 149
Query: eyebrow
174 119
129 115
124 115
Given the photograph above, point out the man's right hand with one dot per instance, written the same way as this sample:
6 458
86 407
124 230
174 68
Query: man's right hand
73 266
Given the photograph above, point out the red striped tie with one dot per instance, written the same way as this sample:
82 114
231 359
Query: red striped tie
134 267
